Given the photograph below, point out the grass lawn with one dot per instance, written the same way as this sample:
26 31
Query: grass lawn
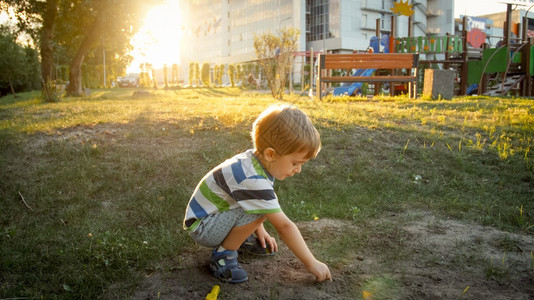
93 189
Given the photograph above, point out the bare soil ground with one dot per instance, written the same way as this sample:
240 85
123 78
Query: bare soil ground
427 258
417 256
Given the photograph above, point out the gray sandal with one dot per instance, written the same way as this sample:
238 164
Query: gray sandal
252 245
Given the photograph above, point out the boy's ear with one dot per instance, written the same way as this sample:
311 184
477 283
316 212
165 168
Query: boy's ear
269 154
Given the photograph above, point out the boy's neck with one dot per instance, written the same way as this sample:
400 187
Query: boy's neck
262 161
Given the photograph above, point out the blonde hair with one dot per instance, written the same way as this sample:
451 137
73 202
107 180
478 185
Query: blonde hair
287 130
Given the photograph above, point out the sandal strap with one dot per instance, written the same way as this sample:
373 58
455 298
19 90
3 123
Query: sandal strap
231 270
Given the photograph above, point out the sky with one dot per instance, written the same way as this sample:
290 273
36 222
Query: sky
478 7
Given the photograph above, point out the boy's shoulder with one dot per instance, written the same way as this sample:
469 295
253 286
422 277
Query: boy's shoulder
246 155
245 165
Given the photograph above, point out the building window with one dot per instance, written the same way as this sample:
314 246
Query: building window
318 22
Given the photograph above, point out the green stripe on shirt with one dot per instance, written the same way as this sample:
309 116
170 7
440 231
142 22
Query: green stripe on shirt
213 198
259 168
263 211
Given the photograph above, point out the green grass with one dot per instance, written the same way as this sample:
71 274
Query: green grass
106 178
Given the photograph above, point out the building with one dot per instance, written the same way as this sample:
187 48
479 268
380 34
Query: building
222 31
493 33
493 25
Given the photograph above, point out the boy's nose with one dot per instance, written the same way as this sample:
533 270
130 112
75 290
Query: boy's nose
297 170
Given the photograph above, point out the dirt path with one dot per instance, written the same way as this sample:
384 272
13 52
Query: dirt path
427 259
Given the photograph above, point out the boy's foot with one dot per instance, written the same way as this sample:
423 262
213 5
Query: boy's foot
225 266
252 245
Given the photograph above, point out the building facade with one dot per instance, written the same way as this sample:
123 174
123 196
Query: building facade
222 31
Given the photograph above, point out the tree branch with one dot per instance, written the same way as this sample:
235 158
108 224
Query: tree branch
24 201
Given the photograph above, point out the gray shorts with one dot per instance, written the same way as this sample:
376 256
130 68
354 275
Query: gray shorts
213 229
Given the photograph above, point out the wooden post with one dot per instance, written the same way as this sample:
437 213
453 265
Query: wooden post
446 49
410 26
377 28
377 33
508 26
463 79
527 82
320 72
312 71
302 64
392 46
392 49
318 84
291 75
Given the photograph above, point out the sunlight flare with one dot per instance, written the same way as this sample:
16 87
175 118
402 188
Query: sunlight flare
158 41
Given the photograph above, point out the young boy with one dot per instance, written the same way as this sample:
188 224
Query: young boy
233 200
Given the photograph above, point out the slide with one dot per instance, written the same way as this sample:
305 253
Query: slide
351 88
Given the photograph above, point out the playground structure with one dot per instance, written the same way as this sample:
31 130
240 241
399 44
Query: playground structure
504 70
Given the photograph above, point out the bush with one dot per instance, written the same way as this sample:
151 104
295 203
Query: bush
52 91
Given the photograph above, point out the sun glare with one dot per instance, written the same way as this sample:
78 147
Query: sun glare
158 41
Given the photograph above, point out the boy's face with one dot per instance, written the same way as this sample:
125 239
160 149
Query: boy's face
288 165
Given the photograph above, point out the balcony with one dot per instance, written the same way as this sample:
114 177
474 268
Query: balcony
419 2
373 29
433 13
382 31
420 5
376 7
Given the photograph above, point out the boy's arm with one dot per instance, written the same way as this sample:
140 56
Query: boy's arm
290 234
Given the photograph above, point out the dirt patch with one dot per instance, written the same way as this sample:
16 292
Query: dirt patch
437 259
159 135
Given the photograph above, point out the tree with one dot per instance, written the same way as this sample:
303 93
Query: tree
146 71
100 20
216 75
28 15
197 73
231 74
174 76
221 73
275 57
79 27
191 73
154 79
205 75
47 41
14 68
165 81
240 74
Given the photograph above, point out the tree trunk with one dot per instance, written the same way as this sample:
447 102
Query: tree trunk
75 76
47 40
12 89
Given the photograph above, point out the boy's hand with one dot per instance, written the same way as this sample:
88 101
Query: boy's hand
264 238
320 270
290 234
271 241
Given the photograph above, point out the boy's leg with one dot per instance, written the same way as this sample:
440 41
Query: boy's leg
233 225
228 229
239 234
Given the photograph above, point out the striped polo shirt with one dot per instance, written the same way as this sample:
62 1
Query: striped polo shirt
240 181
